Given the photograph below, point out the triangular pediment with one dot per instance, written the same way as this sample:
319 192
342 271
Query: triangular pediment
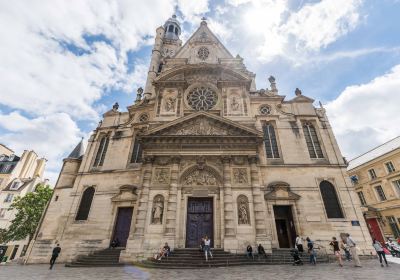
204 38
203 124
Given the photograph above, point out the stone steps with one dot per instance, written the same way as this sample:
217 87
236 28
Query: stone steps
106 257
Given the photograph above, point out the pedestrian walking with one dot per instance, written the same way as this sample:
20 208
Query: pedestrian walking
353 249
311 251
249 251
379 250
336 250
54 256
299 245
207 249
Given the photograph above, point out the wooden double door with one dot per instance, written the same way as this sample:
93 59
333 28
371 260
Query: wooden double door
199 221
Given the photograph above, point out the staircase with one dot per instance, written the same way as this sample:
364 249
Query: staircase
106 257
193 258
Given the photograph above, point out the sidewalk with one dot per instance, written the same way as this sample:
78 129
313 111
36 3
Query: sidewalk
392 259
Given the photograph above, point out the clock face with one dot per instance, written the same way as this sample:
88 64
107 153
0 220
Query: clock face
168 53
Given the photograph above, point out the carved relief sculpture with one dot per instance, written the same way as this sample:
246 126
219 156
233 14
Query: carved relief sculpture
170 104
235 105
200 178
240 175
158 210
162 176
243 210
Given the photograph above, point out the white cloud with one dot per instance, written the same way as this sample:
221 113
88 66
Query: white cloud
193 9
363 116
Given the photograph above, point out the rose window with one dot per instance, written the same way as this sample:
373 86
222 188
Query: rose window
203 53
202 98
265 110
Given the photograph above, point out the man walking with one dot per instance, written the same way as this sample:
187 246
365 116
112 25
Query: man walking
353 249
299 245
54 256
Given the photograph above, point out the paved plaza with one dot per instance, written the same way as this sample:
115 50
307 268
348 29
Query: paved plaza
370 270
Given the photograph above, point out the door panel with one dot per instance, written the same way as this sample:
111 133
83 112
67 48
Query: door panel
123 225
199 221
285 227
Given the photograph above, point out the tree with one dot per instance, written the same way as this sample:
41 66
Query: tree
29 211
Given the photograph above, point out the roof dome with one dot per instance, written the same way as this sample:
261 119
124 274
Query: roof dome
172 28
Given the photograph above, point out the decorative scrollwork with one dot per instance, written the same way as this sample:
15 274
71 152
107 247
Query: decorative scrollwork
202 98
200 178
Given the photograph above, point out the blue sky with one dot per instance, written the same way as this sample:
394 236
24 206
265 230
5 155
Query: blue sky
64 63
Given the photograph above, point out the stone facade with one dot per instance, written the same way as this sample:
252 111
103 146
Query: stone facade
376 178
202 151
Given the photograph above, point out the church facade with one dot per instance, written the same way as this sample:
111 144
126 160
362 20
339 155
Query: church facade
202 151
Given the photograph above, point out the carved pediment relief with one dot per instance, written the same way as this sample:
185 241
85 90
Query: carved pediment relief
280 191
199 177
126 193
201 126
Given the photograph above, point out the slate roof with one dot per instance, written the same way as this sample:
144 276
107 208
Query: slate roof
24 183
375 153
78 152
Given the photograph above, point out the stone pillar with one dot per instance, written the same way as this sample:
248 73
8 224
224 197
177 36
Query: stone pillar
258 205
230 242
171 205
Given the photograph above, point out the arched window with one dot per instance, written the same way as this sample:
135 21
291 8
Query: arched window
176 31
331 200
137 152
171 28
86 203
101 151
313 145
271 145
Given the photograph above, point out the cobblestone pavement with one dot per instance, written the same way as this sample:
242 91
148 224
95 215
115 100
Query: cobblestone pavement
370 270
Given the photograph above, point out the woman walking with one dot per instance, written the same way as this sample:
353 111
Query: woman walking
336 250
311 251
207 249
379 250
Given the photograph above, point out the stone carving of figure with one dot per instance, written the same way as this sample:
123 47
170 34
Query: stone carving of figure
170 104
240 176
234 104
200 178
243 212
158 210
162 176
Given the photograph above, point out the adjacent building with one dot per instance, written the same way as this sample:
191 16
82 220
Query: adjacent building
18 176
202 151
376 179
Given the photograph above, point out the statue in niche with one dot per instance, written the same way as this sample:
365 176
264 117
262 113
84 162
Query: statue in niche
162 176
235 106
240 175
158 210
170 104
243 211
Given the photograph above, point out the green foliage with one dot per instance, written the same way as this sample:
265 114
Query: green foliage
29 210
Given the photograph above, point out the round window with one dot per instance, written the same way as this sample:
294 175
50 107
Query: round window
143 118
265 110
202 98
203 53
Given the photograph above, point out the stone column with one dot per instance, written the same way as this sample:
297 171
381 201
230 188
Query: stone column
258 204
171 205
229 217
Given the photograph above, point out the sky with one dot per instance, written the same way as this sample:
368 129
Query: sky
63 63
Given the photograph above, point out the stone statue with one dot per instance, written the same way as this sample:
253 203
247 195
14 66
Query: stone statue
235 106
158 210
240 175
243 211
170 104
115 106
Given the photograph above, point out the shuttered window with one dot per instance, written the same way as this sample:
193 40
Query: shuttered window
271 145
313 145
330 199
101 151
137 152
86 203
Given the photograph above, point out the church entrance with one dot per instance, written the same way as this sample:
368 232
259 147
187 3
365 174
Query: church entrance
123 225
285 228
199 221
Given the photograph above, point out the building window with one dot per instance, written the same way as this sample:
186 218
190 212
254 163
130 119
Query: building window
372 173
144 118
3 212
393 226
362 198
390 167
397 186
101 151
9 197
313 145
331 201
380 193
137 152
265 110
86 203
14 185
271 145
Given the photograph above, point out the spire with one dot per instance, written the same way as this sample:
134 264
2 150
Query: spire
79 150
172 28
